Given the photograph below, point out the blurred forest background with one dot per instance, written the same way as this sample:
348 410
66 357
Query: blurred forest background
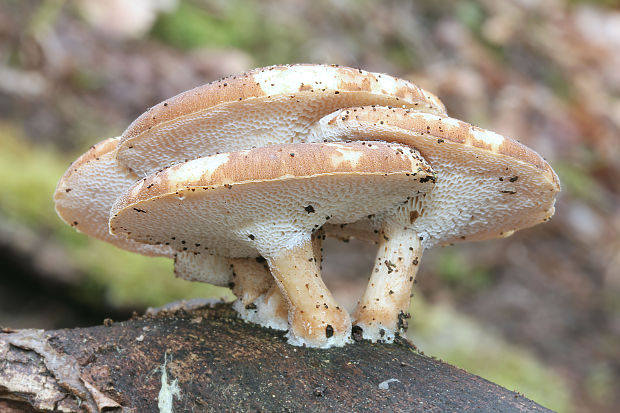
538 312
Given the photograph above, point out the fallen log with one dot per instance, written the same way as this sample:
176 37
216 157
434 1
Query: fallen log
203 358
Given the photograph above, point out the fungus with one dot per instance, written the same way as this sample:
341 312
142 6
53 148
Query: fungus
258 298
485 186
268 199
206 120
468 201
273 105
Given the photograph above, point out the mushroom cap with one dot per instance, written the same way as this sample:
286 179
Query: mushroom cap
487 185
273 105
89 188
264 200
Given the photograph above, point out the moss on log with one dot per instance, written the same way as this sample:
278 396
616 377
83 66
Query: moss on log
205 359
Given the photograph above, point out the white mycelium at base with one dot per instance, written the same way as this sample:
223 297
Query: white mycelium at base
264 312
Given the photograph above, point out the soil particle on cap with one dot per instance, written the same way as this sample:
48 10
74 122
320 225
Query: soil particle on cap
309 209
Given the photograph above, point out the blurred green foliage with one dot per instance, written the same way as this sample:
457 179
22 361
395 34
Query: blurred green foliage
452 266
578 182
440 331
238 24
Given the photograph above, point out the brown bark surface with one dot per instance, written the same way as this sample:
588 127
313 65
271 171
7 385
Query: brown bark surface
205 359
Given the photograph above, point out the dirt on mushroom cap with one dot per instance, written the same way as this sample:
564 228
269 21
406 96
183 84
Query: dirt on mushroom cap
240 186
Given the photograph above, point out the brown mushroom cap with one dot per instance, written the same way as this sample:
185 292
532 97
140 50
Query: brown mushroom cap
203 201
487 186
89 188
273 105
267 201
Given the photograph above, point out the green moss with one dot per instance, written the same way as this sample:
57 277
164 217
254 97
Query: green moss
28 177
189 27
459 272
236 24
440 331
470 14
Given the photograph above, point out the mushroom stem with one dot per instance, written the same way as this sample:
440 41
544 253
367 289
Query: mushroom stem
315 319
258 297
382 311
251 279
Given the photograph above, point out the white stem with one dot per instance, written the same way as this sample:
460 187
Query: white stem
383 308
315 318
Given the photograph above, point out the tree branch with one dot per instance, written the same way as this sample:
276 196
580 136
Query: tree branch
205 359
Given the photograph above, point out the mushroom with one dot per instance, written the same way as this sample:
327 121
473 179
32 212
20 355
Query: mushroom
487 186
267 202
273 105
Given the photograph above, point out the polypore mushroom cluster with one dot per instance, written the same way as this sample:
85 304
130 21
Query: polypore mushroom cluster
239 180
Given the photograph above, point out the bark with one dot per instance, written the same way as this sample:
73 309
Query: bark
205 359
